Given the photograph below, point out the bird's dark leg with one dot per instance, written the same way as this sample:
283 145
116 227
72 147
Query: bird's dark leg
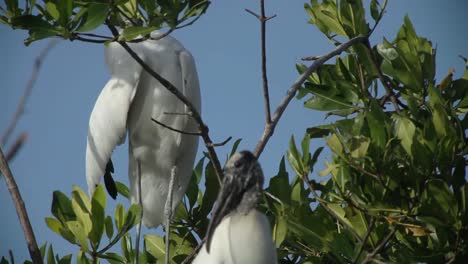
168 209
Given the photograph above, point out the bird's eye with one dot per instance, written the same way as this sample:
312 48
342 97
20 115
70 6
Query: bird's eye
237 164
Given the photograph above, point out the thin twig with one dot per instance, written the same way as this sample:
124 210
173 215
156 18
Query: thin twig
269 128
222 143
263 19
175 129
389 90
171 88
16 146
323 203
34 251
27 91
379 247
190 257
366 237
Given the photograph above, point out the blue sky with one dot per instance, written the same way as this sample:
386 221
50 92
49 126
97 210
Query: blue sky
225 44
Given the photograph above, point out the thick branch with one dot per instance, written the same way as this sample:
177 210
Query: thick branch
193 111
27 92
34 251
269 128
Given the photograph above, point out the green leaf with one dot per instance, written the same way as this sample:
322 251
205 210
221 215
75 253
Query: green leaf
96 16
280 230
122 189
53 224
82 216
81 198
279 184
235 146
376 120
109 227
78 231
50 255
66 259
404 130
358 146
154 245
335 145
119 217
211 189
192 189
62 208
52 10
114 258
133 216
131 33
98 206
374 8
294 158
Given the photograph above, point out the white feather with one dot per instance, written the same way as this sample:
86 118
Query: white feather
127 103
240 239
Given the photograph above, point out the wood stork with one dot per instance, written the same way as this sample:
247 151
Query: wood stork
237 232
127 103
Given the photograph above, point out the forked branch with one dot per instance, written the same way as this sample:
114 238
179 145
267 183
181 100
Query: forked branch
270 128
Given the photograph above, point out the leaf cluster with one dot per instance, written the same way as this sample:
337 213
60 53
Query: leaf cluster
76 20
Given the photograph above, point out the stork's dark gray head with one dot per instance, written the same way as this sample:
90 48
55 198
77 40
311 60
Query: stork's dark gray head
243 169
241 189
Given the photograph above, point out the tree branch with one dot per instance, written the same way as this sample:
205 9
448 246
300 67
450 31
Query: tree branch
379 247
193 111
263 19
366 237
269 128
34 251
27 92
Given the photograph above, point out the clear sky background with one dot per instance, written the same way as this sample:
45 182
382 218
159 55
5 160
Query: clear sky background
225 44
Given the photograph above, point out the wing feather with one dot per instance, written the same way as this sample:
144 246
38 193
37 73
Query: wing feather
108 121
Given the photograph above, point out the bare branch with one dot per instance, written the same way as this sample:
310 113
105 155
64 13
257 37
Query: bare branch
18 143
190 257
34 251
379 247
366 237
222 143
27 92
269 128
263 19
172 89
175 129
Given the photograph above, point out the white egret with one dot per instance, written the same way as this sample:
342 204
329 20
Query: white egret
238 233
127 103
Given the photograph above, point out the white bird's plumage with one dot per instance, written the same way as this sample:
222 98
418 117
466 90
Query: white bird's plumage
240 239
127 103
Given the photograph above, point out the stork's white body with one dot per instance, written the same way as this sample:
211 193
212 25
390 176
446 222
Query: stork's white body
240 239
127 103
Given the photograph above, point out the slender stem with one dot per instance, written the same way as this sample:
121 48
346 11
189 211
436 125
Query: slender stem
379 247
190 257
34 251
16 146
323 203
175 129
269 128
388 89
366 237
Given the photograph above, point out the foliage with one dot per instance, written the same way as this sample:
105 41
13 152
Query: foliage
75 20
393 190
